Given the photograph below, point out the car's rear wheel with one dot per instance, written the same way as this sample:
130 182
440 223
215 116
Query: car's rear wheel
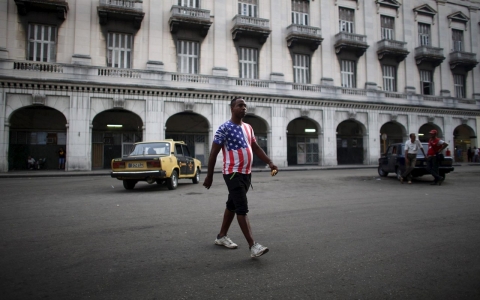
196 179
381 172
172 182
129 184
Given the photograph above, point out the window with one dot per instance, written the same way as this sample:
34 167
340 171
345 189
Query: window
189 3
42 42
119 50
247 8
424 34
248 63
426 82
301 68
387 25
457 38
346 20
187 57
459 84
389 78
300 9
348 73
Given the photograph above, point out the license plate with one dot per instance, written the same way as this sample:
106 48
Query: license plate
135 165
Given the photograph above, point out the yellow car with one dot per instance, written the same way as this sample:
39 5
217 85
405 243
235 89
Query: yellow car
157 161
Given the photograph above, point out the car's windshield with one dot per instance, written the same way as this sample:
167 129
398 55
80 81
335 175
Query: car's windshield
151 149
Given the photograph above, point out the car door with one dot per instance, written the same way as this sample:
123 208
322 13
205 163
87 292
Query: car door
181 160
190 163
392 158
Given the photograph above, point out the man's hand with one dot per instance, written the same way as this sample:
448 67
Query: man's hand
273 168
208 182
407 160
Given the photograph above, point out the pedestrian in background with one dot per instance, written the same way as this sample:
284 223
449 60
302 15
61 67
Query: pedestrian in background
435 148
61 159
469 154
411 149
237 142
475 154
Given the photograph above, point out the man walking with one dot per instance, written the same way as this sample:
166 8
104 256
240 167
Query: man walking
435 147
237 142
411 149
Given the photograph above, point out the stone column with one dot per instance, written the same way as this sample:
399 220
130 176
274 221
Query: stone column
370 58
409 36
278 50
278 140
153 23
3 29
329 29
444 41
329 153
372 139
83 18
5 136
473 85
154 119
79 137
221 34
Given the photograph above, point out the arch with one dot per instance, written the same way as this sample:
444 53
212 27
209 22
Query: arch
463 138
38 131
114 132
261 130
424 131
193 129
351 142
303 142
395 133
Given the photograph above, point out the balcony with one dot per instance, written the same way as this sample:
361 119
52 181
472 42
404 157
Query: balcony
466 60
350 42
189 18
121 10
60 7
305 35
429 54
244 26
390 48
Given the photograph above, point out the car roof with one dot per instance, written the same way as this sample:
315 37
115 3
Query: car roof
161 141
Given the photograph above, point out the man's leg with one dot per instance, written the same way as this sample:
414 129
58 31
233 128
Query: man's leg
246 229
227 221
432 167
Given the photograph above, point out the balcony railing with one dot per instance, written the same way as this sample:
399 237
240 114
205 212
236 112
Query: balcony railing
429 54
392 48
128 4
38 67
466 60
351 37
240 20
356 43
189 12
314 32
307 35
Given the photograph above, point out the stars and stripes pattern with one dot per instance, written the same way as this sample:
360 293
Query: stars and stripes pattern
237 147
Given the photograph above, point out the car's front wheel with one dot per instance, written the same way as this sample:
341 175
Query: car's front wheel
381 172
196 179
172 182
129 184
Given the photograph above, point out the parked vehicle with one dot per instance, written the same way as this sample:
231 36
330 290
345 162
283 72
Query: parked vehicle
157 161
393 161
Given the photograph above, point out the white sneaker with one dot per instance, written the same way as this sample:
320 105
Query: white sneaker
258 250
225 241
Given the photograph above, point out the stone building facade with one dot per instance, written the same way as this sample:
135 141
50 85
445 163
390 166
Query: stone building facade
327 82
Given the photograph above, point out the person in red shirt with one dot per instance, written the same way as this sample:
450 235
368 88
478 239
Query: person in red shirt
435 147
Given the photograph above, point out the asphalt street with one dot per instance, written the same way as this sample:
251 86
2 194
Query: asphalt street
332 234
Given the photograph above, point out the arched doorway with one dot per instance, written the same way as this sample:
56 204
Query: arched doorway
350 143
302 142
261 134
38 131
424 132
462 140
393 132
191 128
113 134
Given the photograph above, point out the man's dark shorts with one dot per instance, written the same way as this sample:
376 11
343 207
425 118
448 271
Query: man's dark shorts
238 185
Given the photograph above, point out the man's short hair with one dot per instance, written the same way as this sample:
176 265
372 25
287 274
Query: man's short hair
232 103
412 134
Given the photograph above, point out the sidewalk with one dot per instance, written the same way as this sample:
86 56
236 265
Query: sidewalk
106 172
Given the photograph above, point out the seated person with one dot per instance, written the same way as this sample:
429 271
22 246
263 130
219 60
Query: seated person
31 163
